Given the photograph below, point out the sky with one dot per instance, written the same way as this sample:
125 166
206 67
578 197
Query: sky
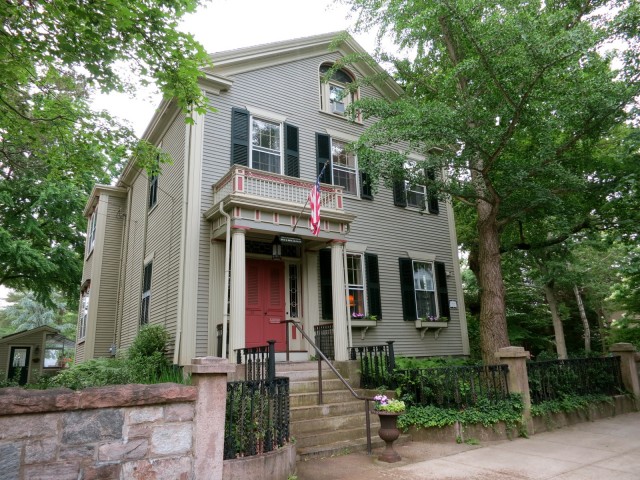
229 24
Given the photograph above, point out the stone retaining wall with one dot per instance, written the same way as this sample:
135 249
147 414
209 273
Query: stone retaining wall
117 432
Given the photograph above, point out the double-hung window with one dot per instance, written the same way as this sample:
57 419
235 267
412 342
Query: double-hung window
153 191
355 275
423 286
335 95
84 315
344 167
146 294
91 241
266 144
262 140
410 193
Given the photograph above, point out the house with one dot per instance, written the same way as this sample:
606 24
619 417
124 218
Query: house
28 354
232 205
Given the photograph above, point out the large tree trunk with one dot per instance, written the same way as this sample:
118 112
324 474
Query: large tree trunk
493 320
558 331
585 321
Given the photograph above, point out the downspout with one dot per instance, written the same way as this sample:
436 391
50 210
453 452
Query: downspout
227 272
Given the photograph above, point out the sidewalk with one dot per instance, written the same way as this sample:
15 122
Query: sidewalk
602 450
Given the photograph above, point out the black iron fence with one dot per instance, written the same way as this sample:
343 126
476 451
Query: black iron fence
555 379
260 362
257 417
377 363
453 387
324 339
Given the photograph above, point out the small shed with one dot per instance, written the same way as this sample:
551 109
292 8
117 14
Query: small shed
28 354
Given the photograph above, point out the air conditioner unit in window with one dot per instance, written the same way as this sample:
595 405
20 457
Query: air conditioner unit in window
337 107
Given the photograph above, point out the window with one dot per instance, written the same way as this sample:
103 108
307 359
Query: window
416 195
54 353
91 241
146 294
265 145
261 140
84 315
153 191
425 290
356 286
423 285
341 165
335 96
363 281
344 171
407 193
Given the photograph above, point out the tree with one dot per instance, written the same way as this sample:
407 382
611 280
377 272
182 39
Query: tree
26 313
53 147
512 99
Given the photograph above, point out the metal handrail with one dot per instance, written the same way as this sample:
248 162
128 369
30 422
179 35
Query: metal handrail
321 356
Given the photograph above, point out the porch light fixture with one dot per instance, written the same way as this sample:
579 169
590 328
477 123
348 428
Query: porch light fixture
276 248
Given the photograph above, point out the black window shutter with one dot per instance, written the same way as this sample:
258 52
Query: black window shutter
432 199
443 292
292 151
323 156
399 194
239 137
326 289
365 187
373 284
406 289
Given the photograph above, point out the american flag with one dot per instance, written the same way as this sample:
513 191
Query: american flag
314 202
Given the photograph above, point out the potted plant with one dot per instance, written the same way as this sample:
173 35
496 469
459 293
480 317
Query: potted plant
388 409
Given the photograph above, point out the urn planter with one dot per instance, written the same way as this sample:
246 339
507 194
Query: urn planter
389 433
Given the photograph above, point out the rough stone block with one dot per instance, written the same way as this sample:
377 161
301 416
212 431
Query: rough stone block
40 451
28 426
89 426
171 439
137 431
179 412
144 415
76 452
133 450
131 395
108 471
9 460
49 471
18 400
178 468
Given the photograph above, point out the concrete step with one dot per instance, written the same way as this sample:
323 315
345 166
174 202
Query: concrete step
308 399
297 366
332 423
311 386
303 375
345 447
309 439
315 411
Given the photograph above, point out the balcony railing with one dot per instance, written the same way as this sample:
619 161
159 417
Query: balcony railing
249 182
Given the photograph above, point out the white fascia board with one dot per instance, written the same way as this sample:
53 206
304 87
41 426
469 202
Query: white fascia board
99 189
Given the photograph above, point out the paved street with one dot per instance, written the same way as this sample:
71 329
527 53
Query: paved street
603 450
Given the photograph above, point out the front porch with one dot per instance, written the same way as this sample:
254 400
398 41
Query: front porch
264 262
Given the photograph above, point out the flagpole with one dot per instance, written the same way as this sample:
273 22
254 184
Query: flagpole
305 203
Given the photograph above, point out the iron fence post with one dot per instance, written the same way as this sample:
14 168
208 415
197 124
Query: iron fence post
392 357
271 373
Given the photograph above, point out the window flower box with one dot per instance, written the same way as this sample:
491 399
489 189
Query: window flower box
426 324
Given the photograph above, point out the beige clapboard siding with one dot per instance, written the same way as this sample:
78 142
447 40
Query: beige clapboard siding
135 259
163 233
109 277
292 90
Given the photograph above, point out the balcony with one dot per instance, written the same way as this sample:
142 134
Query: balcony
263 198
243 181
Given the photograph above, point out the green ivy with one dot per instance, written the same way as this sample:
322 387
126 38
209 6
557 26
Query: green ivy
484 412
568 403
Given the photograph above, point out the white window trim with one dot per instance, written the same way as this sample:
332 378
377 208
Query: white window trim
363 273
325 102
356 170
266 114
251 146
298 265
435 286
151 208
84 315
421 256
93 221
146 293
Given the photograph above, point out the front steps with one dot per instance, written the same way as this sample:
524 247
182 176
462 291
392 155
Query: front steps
334 428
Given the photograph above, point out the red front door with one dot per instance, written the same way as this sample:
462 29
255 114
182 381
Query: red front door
265 304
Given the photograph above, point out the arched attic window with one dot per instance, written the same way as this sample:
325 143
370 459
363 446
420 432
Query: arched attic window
335 96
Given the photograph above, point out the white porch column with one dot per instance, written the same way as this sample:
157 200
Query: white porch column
237 310
340 338
216 293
